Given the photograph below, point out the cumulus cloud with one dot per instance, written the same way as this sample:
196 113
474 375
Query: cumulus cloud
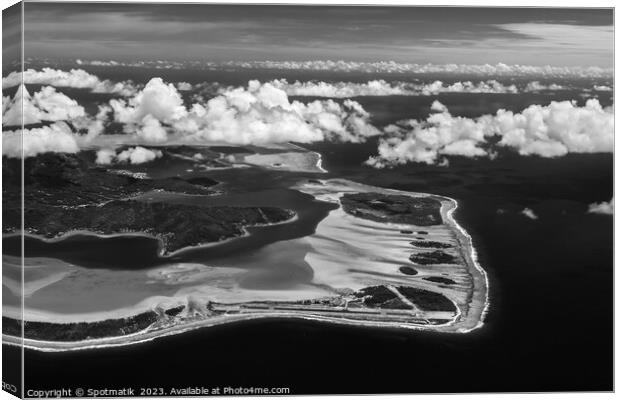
341 89
151 130
258 114
133 155
105 156
548 131
605 207
529 213
383 88
158 99
184 86
57 138
45 105
71 129
138 155
75 78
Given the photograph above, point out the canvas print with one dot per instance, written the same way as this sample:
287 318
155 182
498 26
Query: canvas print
232 199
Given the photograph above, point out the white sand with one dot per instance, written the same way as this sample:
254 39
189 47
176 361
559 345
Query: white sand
288 161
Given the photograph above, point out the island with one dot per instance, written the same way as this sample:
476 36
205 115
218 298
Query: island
361 265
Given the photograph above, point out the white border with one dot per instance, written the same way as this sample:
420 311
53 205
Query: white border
475 3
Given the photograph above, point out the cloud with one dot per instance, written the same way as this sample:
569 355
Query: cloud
605 207
133 155
45 105
341 89
57 138
162 101
452 69
494 70
547 131
536 86
151 130
457 69
6 102
258 114
75 78
602 88
157 64
382 88
71 129
529 213
105 156
184 86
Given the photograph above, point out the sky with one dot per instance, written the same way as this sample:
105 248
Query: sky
138 32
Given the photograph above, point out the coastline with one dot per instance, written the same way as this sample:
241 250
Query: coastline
160 248
473 255
476 307
148 336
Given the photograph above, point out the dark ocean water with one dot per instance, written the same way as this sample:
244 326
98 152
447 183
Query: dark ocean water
549 327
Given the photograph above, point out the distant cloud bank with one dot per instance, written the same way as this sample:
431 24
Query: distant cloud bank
383 88
498 70
80 79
